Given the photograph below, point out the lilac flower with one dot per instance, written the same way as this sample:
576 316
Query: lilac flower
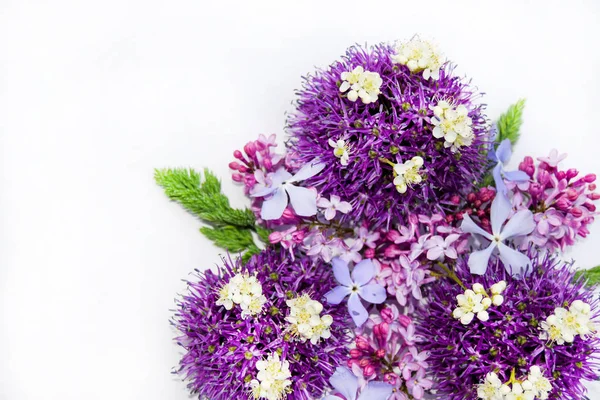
547 220
367 237
553 159
502 155
346 384
418 384
460 356
438 246
304 200
520 224
357 287
351 250
332 206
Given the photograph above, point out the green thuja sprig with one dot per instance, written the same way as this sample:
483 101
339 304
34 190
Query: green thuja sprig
229 228
591 276
203 199
510 123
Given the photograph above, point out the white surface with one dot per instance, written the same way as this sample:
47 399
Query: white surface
95 94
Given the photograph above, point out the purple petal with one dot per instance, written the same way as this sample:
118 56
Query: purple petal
497 173
363 272
345 382
499 213
478 260
469 226
341 271
303 200
516 176
273 208
262 191
308 170
344 207
434 253
337 294
522 223
373 293
329 214
358 312
514 261
451 253
376 391
504 151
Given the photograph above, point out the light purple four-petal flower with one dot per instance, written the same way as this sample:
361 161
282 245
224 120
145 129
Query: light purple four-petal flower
502 155
520 224
304 200
357 287
346 383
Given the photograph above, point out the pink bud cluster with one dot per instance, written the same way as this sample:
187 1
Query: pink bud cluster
477 205
386 350
403 257
562 202
256 161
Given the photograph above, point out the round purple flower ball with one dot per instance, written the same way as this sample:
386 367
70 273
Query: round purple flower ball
222 345
512 338
392 129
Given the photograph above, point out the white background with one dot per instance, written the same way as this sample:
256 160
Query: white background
95 94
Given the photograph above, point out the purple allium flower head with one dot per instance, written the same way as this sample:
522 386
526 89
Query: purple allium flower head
222 347
396 127
462 355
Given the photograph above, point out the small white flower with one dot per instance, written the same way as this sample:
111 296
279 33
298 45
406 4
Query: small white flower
361 83
245 291
420 56
407 173
477 302
540 385
272 379
305 319
490 388
453 124
519 393
564 325
340 150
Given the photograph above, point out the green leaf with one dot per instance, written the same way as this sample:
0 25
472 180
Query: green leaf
252 250
263 234
230 238
203 199
592 275
510 123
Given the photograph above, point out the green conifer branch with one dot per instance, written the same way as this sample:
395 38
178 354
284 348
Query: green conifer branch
510 123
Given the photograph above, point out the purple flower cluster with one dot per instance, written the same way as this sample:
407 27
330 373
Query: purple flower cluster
222 348
462 355
562 201
396 127
404 256
386 350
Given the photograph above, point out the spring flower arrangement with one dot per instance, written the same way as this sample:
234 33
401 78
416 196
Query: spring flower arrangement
389 251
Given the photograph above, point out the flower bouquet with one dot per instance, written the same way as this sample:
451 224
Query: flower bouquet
389 252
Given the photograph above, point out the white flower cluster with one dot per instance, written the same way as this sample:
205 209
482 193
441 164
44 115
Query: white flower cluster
245 291
306 320
477 301
272 378
363 84
419 56
407 173
564 325
535 386
453 124
340 150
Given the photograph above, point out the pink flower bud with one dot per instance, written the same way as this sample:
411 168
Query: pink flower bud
250 149
387 315
471 197
369 370
590 206
267 163
562 204
595 196
364 362
592 186
560 175
576 212
362 343
237 177
589 178
404 320
572 173
234 165
392 235
243 169
572 194
369 253
380 353
455 199
355 353
392 251
275 237
238 154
